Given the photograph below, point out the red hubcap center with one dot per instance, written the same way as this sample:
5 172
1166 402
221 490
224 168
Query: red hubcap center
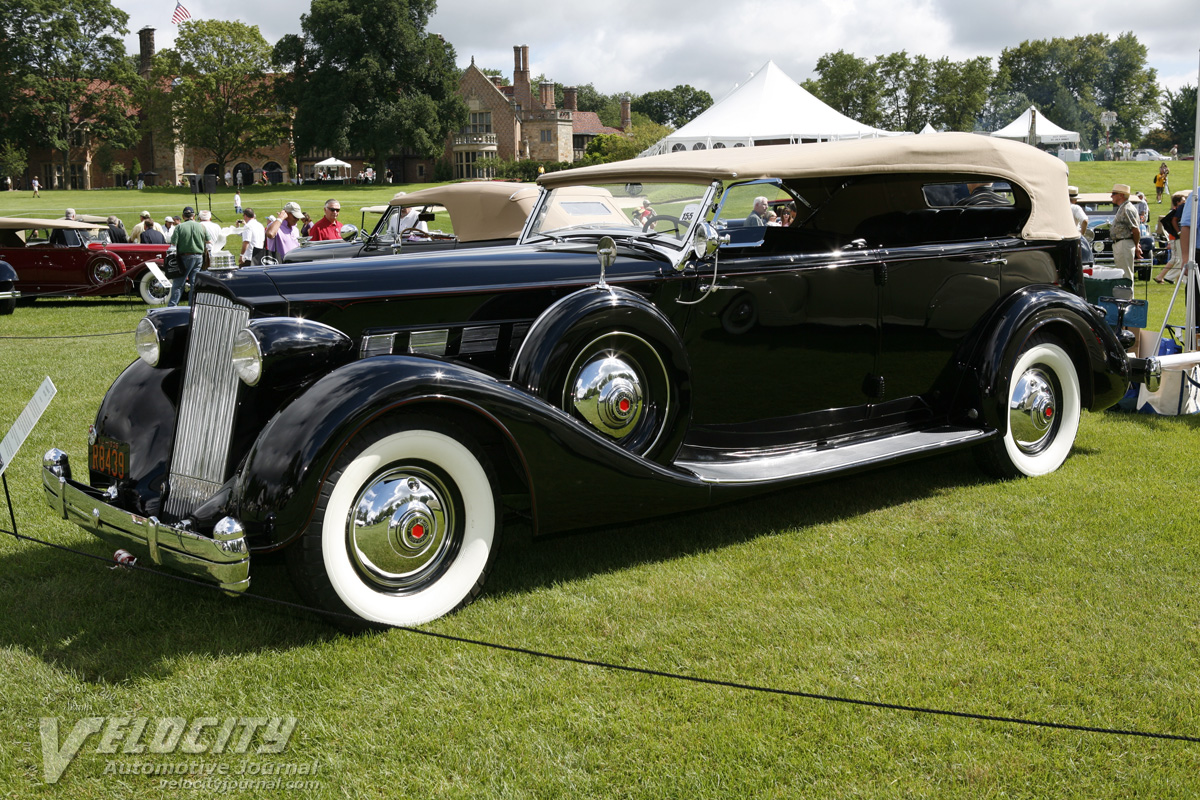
418 531
623 405
1049 413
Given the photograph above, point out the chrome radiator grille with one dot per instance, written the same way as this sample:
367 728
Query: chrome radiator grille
204 427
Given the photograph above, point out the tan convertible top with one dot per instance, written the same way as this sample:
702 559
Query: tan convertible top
32 223
1041 175
479 210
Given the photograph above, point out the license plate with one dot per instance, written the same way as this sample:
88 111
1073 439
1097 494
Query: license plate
110 457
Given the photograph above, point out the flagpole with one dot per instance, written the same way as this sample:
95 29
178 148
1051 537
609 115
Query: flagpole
1189 325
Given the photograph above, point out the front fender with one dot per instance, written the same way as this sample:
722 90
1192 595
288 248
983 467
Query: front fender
1103 367
571 472
7 273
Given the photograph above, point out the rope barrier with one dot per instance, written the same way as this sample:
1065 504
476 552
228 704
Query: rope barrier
587 662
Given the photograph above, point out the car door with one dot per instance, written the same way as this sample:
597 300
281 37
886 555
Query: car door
789 334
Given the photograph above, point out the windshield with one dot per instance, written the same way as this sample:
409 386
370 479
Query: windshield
662 211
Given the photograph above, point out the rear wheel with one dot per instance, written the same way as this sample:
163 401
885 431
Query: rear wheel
406 527
102 271
8 305
1043 410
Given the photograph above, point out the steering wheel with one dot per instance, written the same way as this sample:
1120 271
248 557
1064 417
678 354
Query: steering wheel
416 233
649 223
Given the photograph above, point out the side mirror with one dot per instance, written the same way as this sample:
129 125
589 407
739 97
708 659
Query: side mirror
705 241
426 216
349 232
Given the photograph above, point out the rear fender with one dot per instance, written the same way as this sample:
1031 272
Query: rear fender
1101 364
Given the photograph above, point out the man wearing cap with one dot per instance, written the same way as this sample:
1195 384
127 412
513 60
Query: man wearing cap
328 227
1126 231
1076 212
146 223
191 239
284 231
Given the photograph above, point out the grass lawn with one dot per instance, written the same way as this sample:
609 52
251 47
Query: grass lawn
1069 598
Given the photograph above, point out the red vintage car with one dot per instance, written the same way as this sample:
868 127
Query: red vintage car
59 257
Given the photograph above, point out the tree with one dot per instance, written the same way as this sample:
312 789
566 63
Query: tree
960 92
617 147
213 91
848 84
1078 78
367 79
676 107
76 84
1179 117
905 87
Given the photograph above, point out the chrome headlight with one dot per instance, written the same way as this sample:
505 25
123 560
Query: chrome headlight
247 357
148 346
1098 247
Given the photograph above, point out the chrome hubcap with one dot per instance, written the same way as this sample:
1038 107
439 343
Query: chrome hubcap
399 528
1033 410
104 272
607 392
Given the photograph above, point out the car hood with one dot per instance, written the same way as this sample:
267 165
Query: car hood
448 272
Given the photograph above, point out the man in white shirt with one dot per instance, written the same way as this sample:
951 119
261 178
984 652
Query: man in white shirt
254 239
1077 213
214 230
406 218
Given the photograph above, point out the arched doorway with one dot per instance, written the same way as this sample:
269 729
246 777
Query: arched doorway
274 172
243 174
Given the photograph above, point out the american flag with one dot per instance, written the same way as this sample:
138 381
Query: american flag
180 14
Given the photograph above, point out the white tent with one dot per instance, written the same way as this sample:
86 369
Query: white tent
770 108
335 167
1033 128
928 129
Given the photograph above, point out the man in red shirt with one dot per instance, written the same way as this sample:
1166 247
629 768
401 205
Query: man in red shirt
327 227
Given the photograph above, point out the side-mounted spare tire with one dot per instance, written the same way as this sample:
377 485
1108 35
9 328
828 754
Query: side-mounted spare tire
612 360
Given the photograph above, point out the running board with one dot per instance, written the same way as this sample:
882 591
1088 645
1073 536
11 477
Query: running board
818 463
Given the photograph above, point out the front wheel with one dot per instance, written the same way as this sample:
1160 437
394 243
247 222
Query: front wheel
152 291
1043 412
8 305
406 526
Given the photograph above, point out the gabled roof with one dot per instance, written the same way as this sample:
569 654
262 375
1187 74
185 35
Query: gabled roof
588 123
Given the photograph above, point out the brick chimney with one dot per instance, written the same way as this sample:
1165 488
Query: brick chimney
146 45
547 96
626 115
570 98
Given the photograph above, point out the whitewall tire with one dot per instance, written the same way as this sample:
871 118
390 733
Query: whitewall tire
1042 412
406 527
153 292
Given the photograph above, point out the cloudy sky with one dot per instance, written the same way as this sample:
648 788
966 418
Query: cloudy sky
714 44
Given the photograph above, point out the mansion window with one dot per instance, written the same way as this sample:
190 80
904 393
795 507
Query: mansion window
479 122
465 165
547 136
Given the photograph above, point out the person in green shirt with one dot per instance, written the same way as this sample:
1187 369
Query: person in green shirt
191 239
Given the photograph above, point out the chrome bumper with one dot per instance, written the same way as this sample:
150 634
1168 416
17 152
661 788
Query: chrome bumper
1147 371
13 295
223 557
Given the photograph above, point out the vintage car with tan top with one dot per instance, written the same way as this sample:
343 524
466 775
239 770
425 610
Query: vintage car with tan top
482 214
648 347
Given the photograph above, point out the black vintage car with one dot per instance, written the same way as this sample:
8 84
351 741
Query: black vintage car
649 346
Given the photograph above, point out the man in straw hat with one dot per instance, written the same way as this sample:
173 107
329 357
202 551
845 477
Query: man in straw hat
1126 231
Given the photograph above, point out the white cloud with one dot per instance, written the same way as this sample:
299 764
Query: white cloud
713 44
